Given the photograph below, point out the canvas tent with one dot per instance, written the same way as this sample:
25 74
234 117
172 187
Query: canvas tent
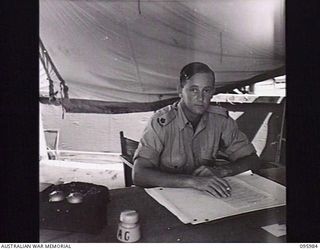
109 56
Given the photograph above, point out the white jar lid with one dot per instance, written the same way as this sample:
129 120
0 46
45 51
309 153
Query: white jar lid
129 216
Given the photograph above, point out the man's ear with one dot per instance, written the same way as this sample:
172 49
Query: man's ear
214 91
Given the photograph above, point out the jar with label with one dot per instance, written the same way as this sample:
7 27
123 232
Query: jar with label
129 228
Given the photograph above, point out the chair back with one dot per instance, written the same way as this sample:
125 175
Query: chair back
128 148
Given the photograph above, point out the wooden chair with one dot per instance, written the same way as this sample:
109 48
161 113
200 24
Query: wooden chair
128 147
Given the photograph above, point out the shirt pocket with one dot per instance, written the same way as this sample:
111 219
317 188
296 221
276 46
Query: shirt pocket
173 160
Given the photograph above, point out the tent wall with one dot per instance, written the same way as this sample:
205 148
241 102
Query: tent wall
260 120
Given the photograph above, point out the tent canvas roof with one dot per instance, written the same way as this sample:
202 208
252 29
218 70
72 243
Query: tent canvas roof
132 51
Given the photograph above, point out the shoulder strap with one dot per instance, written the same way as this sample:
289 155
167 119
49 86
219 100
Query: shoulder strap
166 115
218 110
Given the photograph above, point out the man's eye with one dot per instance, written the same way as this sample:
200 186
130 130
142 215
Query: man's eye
194 90
207 91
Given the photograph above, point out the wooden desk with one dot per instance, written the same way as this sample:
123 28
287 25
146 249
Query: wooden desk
160 225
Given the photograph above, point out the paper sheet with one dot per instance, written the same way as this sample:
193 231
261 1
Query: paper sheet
244 195
276 229
250 192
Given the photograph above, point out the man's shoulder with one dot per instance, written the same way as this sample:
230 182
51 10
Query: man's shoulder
218 110
165 115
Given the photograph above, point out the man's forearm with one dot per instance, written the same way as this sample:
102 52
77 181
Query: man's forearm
150 177
146 175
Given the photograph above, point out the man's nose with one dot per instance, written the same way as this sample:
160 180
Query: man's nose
200 96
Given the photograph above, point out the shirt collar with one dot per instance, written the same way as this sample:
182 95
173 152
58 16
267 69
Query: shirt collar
203 123
183 121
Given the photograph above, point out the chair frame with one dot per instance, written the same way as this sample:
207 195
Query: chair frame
127 159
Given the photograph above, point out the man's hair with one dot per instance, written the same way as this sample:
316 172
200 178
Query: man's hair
192 68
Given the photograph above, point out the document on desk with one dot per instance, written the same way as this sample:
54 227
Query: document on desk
250 192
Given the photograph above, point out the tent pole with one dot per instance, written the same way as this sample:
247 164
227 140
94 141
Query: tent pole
46 55
278 152
45 66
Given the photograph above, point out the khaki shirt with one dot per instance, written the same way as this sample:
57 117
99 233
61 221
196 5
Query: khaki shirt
171 144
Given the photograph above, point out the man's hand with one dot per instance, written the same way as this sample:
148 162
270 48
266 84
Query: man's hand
205 171
213 185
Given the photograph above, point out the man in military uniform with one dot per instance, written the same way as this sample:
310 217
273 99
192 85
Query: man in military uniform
181 141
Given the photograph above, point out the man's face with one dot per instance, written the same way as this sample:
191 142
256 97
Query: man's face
197 92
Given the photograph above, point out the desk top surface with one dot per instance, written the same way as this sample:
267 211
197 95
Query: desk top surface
160 225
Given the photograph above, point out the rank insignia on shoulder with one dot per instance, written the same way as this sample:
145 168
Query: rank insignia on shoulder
165 119
162 120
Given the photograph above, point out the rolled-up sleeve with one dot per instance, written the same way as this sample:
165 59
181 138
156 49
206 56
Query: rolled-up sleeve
235 143
150 145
